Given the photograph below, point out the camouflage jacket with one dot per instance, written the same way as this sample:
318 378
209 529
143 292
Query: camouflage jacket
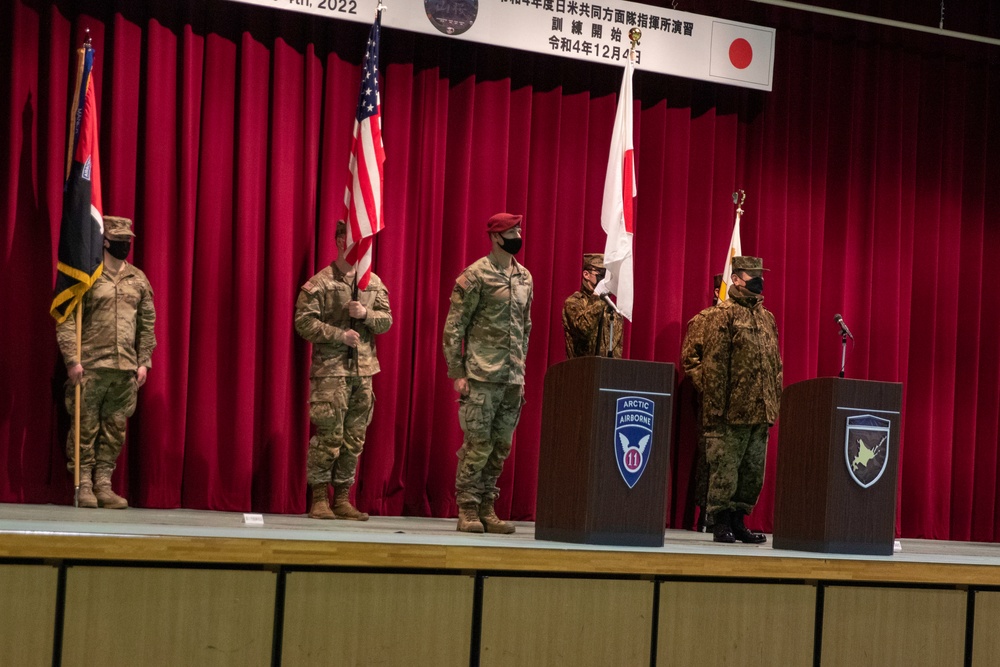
118 319
486 331
585 319
741 367
692 349
321 318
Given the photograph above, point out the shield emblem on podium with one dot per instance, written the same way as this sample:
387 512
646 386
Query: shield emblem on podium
866 448
633 439
452 17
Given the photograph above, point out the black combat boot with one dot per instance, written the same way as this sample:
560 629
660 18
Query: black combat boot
721 530
744 534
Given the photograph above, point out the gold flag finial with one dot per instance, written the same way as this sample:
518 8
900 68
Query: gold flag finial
634 35
739 197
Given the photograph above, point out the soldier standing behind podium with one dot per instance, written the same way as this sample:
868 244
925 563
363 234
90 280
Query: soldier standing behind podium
741 381
692 350
587 318
116 352
485 343
342 330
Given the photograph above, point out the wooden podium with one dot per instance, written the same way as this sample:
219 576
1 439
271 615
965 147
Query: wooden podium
838 452
606 424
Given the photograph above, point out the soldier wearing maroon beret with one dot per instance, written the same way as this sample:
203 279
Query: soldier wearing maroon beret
485 344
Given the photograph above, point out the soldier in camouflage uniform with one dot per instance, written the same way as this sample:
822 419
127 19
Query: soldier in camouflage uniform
117 346
691 354
485 344
340 398
741 384
586 316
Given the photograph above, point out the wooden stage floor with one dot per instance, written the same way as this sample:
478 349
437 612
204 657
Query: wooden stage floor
47 532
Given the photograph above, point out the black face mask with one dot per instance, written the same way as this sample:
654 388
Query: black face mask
756 285
510 245
119 249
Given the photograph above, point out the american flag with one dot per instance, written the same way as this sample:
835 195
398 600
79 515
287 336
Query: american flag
363 196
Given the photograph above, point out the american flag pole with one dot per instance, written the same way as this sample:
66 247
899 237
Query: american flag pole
363 194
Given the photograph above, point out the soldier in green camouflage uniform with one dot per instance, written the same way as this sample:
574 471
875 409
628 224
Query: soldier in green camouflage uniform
741 382
485 344
691 354
586 316
340 398
117 346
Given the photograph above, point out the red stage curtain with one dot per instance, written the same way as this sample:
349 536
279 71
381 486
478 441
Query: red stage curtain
225 131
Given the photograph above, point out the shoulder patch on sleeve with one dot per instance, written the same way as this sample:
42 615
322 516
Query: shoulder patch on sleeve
462 281
310 286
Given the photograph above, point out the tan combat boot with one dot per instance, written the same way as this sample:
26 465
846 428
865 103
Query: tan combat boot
85 495
468 518
319 504
342 506
106 498
492 522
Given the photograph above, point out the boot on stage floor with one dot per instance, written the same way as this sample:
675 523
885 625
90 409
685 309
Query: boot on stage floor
468 518
106 498
491 522
319 503
342 506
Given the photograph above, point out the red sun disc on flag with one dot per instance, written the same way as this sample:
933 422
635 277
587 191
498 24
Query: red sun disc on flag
740 53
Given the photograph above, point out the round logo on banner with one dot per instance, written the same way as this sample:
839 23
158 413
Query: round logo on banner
452 17
740 53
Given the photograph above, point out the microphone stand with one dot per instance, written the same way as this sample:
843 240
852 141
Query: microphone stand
843 353
611 336
352 352
611 324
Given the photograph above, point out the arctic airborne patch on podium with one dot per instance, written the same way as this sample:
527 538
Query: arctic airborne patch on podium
633 439
866 448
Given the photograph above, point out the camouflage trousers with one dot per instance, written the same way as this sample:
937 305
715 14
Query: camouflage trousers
341 408
488 416
700 472
735 454
107 400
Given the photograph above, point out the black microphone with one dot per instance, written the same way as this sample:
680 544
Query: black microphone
843 326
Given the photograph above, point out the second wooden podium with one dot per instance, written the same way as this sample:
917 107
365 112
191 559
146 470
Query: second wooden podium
605 450
838 451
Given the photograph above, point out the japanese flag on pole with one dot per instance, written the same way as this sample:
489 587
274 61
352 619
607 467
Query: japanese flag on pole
363 195
617 210
735 250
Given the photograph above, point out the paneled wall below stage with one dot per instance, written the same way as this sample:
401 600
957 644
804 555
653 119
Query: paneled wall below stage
362 618
213 615
167 616
543 621
27 614
894 626
722 624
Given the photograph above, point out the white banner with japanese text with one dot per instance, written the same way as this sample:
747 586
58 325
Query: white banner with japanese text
673 42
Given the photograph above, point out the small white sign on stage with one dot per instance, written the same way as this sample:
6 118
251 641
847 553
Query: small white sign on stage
673 42
253 519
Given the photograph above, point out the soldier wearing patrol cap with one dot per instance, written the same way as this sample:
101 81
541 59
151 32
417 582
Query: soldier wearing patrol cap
342 325
589 320
485 344
116 351
741 377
